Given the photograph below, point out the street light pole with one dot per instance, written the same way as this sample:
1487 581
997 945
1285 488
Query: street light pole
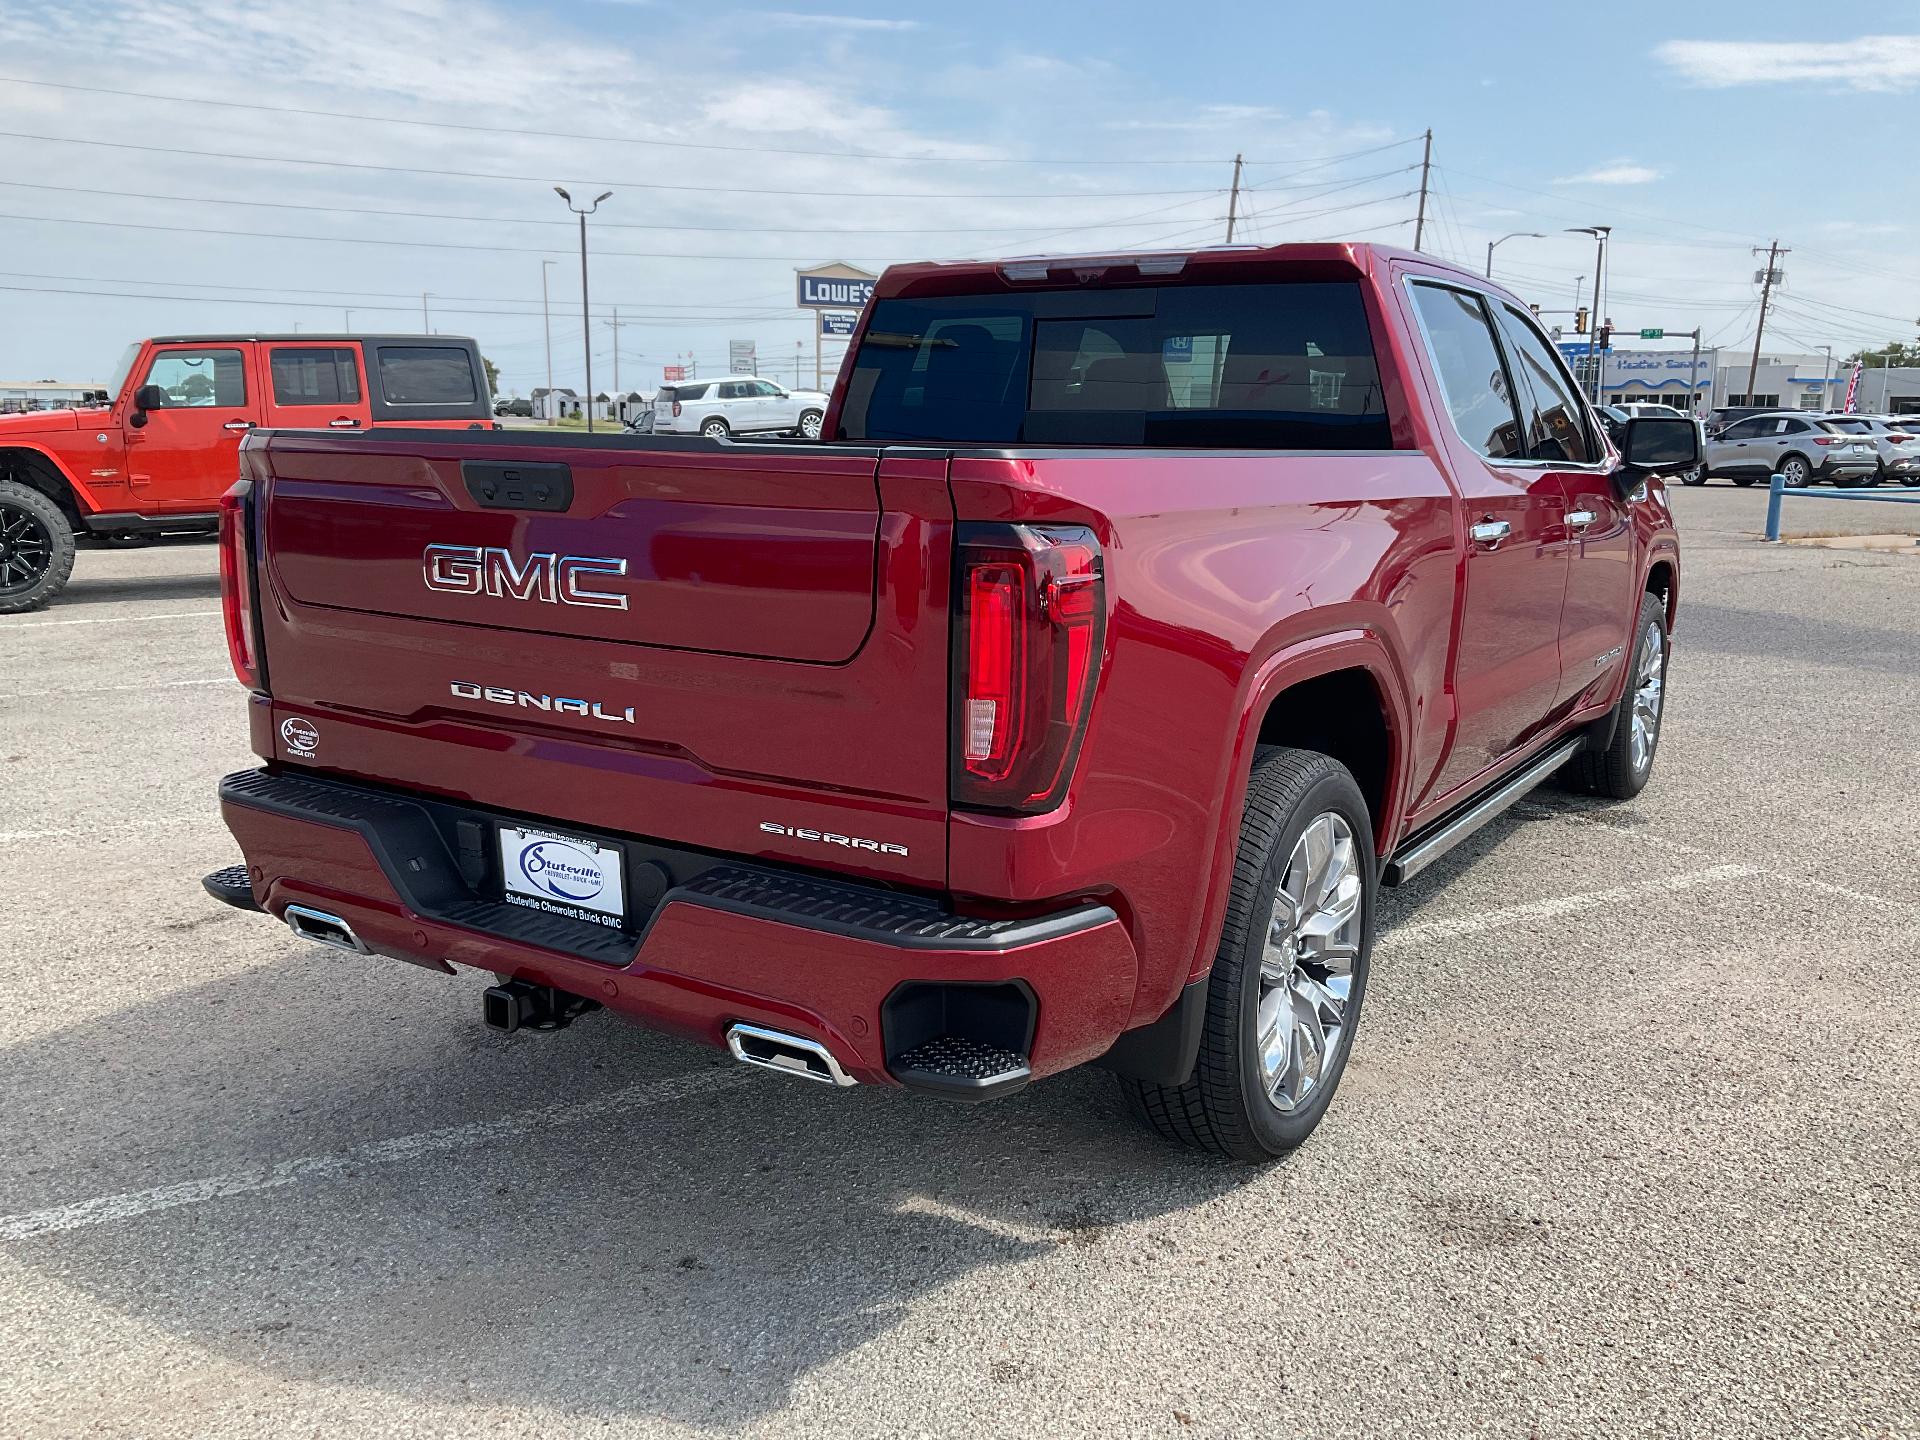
426 325
1516 235
546 327
349 317
586 317
1600 234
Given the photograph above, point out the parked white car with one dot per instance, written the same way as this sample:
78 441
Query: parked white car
736 405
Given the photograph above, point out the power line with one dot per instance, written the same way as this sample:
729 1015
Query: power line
611 184
201 102
522 220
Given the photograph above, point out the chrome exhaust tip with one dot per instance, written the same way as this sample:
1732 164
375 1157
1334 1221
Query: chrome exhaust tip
324 929
786 1054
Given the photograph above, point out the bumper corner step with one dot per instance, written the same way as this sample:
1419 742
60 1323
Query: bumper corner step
230 886
959 1068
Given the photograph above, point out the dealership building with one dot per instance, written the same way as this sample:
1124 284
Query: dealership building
1719 377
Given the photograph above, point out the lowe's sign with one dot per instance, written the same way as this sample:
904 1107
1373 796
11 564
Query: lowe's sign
827 292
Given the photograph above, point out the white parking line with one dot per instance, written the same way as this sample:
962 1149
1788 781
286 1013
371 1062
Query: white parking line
1452 927
110 689
108 1208
108 620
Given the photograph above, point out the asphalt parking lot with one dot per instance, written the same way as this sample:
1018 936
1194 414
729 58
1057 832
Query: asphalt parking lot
1630 1143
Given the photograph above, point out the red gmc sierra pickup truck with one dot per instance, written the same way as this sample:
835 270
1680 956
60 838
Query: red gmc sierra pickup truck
153 453
1138 618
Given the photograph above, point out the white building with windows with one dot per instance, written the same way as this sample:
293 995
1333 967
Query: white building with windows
18 395
1719 377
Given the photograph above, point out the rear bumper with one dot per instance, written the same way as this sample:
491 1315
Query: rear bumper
720 941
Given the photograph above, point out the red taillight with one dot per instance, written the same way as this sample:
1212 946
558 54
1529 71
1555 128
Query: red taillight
236 584
1830 440
1032 618
676 409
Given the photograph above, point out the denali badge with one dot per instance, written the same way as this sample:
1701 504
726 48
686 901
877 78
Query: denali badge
556 704
489 570
827 837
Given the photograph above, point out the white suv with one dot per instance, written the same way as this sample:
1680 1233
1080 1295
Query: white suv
736 405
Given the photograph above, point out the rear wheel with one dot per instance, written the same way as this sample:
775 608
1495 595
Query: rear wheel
1622 769
1741 479
715 429
1795 471
36 548
1291 971
810 424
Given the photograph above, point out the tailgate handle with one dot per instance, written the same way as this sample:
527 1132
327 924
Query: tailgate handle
540 486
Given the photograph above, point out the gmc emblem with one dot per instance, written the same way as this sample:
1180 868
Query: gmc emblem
489 570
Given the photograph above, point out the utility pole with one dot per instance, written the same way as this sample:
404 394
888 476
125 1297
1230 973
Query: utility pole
1826 379
1426 167
1233 199
1693 376
1774 252
426 326
546 326
615 323
1600 234
798 346
586 309
349 319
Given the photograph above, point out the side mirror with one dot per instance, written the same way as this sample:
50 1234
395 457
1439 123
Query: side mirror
150 397
1658 442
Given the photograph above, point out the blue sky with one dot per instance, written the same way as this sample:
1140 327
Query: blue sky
1696 132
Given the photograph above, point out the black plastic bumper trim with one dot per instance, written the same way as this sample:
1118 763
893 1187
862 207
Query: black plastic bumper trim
409 838
153 524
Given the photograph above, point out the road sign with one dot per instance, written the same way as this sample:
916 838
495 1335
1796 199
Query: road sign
1655 333
740 357
673 372
837 322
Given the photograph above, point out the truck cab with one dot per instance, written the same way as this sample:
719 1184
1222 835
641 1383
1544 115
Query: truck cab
158 447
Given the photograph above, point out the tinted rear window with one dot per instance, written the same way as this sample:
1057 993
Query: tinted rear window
1276 366
315 377
426 375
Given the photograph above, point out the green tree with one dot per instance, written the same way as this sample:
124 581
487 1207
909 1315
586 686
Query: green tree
1894 353
493 376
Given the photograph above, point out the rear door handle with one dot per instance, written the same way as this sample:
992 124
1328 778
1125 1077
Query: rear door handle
1490 532
238 425
343 423
1581 519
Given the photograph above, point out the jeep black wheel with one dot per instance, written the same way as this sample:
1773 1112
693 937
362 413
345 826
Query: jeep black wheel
36 548
1291 971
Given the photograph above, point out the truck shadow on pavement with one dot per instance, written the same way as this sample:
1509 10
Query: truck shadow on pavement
692 1260
84 590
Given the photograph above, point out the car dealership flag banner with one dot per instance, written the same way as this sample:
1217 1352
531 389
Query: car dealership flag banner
1853 386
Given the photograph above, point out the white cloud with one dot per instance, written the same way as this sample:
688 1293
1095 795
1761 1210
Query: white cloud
1870 63
1614 172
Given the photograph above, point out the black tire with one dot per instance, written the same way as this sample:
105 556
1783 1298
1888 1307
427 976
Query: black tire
810 418
1865 482
1224 1105
714 428
123 539
1911 482
1796 472
1695 476
36 548
1742 480
1614 771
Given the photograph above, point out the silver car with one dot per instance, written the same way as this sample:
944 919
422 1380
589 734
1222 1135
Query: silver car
1799 448
736 405
1896 443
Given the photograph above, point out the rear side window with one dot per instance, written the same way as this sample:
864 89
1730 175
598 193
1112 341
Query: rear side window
1274 366
315 377
1474 382
426 375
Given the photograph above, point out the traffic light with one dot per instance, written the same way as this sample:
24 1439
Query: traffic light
1606 336
1534 306
1580 321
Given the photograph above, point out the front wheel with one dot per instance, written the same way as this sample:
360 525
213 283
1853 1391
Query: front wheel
36 548
1695 476
810 424
1291 971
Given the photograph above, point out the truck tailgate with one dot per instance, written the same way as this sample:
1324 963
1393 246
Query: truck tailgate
677 639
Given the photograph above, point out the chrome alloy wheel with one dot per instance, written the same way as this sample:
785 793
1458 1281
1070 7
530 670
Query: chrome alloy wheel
1306 966
1649 687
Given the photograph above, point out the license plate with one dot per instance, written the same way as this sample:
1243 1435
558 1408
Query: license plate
562 875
